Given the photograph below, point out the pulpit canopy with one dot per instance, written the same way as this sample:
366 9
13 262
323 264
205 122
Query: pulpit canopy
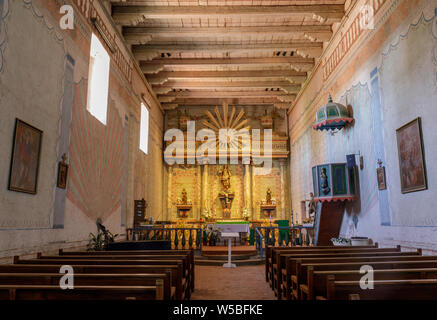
334 182
332 116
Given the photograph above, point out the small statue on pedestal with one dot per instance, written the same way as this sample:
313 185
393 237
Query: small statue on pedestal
184 199
269 196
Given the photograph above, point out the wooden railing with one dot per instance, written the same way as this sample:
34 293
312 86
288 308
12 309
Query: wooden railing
272 236
181 238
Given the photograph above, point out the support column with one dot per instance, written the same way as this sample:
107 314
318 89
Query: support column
198 213
247 189
282 166
252 190
205 200
169 198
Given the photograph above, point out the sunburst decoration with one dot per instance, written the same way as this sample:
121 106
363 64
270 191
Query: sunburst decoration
227 121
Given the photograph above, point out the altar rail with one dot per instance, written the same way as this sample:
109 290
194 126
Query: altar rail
181 238
281 236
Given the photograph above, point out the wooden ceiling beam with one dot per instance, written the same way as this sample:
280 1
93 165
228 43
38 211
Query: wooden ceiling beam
292 76
142 35
223 94
296 63
302 48
200 94
219 101
283 85
133 13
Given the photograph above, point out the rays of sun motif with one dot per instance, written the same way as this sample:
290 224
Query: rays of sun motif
233 122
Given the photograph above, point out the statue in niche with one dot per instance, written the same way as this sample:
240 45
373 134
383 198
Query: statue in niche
184 199
324 181
226 196
269 196
225 178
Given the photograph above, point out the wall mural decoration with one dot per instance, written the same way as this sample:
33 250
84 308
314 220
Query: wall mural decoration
96 151
411 157
25 158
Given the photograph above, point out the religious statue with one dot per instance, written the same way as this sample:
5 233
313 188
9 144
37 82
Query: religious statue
225 178
226 196
269 196
312 212
324 181
312 206
184 199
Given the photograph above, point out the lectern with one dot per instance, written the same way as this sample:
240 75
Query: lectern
229 236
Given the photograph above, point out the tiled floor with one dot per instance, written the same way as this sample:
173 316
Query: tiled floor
241 283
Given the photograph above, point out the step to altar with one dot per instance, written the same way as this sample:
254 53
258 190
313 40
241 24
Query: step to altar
224 257
223 250
242 260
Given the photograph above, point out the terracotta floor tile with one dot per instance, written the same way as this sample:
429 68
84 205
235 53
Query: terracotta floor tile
241 283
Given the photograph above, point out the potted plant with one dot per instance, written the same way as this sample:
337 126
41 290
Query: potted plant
100 241
212 234
360 241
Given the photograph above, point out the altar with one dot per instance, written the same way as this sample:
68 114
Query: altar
232 226
239 228
247 189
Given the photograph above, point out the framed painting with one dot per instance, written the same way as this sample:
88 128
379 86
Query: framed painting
26 149
382 184
62 175
411 157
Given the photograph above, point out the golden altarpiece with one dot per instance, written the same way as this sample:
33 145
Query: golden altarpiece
198 190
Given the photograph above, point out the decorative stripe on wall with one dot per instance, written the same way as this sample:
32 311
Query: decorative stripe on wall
97 157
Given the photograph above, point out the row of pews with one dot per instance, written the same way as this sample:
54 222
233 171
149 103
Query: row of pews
334 273
101 275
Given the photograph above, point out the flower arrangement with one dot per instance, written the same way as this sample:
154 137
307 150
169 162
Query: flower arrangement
207 214
245 213
212 235
341 241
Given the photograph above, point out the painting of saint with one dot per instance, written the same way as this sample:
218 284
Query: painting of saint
25 158
411 157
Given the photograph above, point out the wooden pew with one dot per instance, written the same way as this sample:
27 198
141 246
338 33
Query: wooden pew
185 258
139 252
419 289
116 280
276 262
66 261
268 250
317 280
289 274
295 273
54 292
281 263
176 280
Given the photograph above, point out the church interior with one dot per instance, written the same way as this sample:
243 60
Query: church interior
218 149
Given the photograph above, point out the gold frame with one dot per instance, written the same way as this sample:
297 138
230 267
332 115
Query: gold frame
405 189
